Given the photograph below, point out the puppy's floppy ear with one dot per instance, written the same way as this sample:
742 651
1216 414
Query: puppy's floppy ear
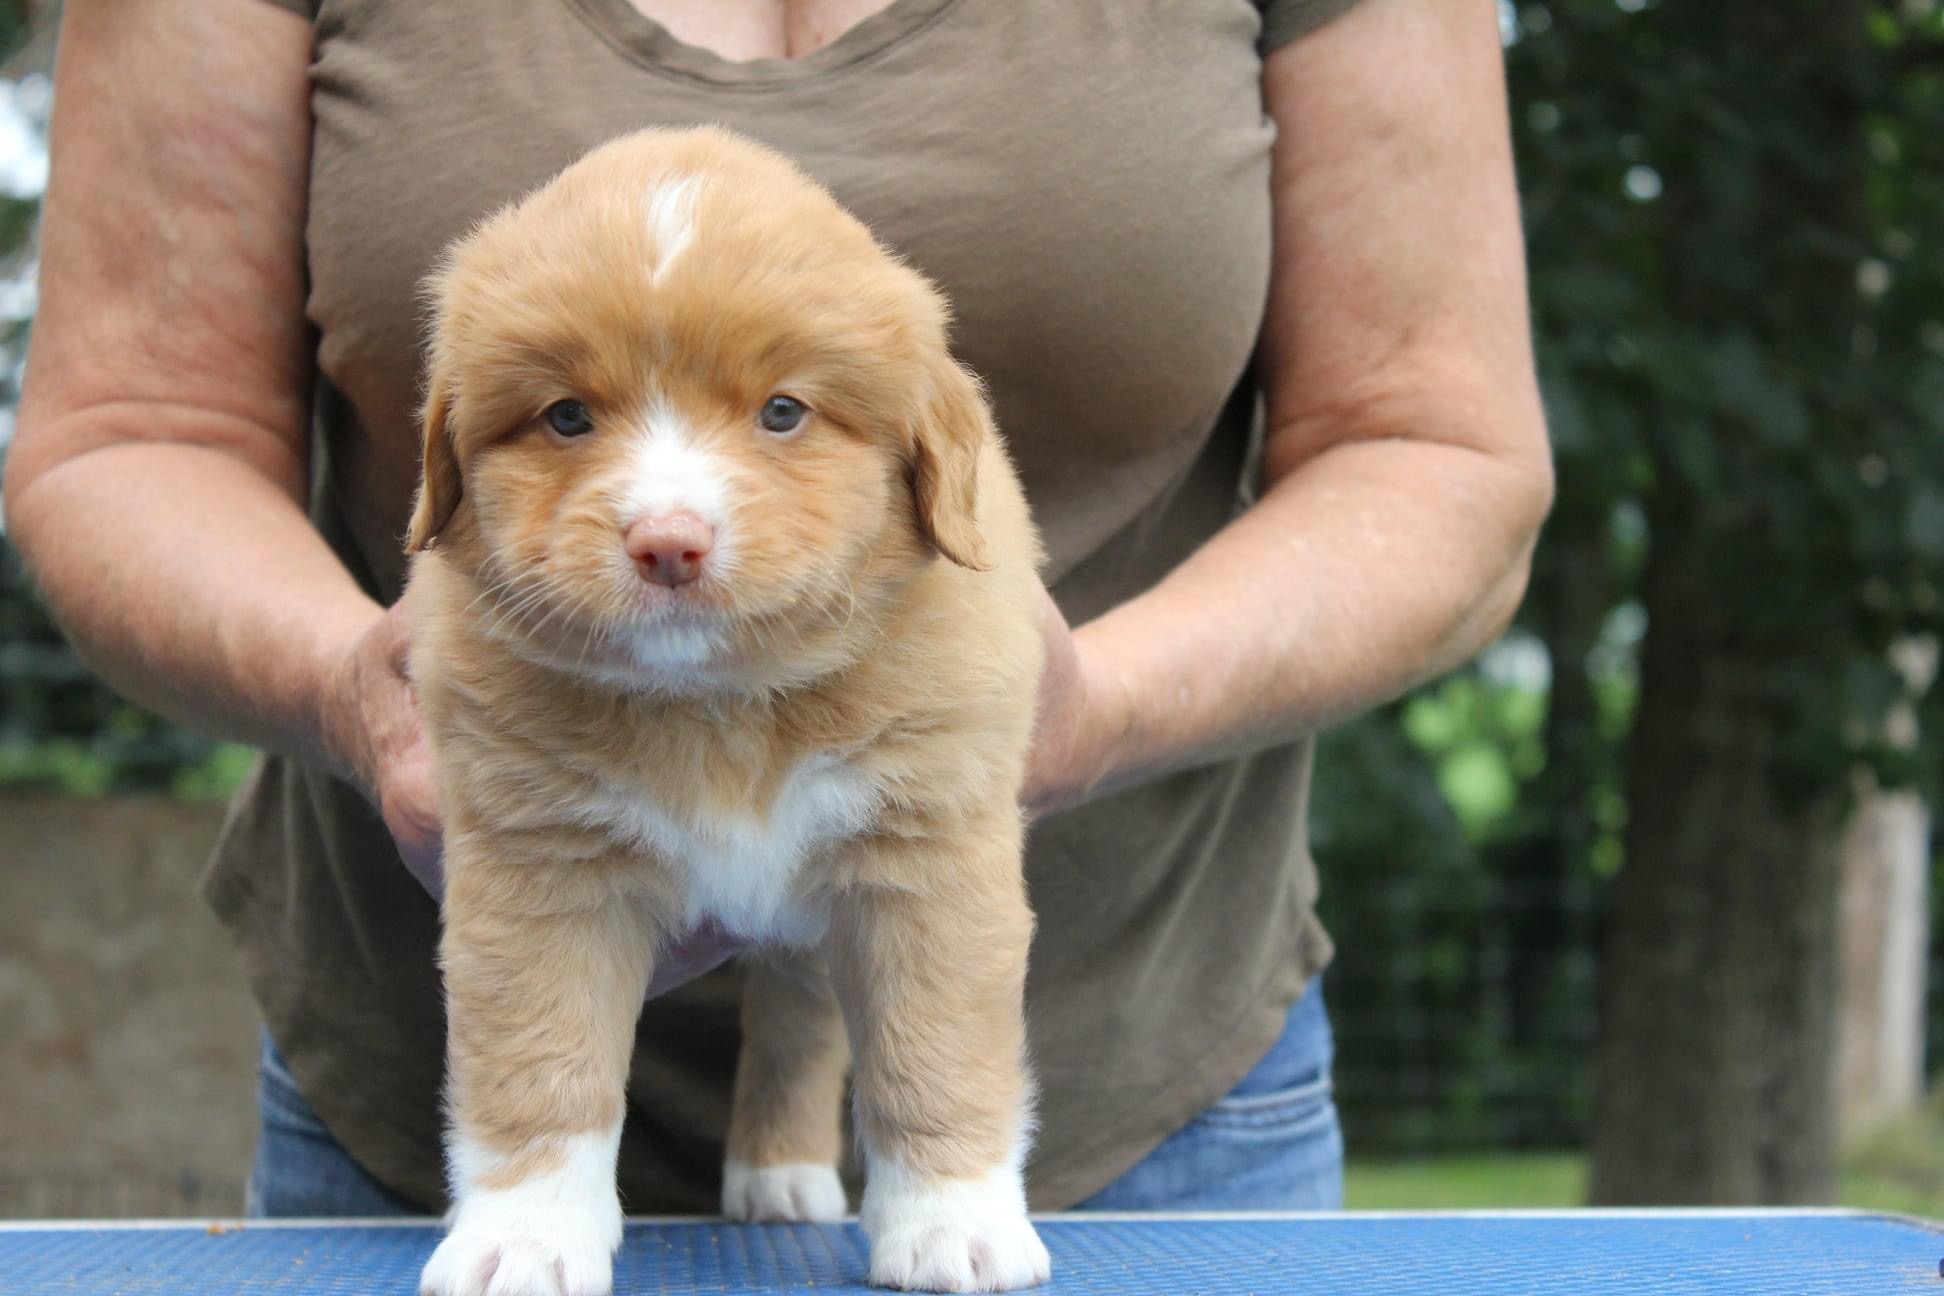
942 449
439 482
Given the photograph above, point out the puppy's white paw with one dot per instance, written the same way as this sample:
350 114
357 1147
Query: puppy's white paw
956 1235
554 1233
795 1190
558 1252
967 1256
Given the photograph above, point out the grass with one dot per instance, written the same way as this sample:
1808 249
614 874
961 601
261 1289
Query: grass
1899 1169
1467 1182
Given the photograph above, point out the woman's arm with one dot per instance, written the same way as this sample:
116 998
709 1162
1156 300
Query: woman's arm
156 483
1406 465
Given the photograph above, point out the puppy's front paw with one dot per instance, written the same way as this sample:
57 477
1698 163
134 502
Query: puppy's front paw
962 1256
554 1253
953 1235
794 1191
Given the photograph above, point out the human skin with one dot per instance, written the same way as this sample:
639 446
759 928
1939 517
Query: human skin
157 480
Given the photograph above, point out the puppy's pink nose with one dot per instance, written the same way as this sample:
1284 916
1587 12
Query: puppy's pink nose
669 550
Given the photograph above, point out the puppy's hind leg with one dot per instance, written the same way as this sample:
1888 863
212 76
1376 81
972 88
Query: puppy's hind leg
785 1129
542 1000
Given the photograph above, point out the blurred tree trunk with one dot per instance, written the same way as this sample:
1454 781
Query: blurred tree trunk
1718 997
1716 1062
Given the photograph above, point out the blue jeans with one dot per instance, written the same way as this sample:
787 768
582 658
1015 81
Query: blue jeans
1271 1143
300 1168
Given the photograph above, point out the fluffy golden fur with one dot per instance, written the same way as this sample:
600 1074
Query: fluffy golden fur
817 742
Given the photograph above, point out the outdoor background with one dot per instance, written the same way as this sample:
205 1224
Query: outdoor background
1634 910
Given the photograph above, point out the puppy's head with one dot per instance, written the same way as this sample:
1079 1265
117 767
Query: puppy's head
680 404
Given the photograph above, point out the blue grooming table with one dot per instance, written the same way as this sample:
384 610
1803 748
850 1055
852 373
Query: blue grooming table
1581 1253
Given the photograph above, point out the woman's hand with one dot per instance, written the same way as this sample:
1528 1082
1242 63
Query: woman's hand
379 735
1082 711
375 721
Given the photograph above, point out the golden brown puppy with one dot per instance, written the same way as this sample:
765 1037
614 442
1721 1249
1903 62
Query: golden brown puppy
729 612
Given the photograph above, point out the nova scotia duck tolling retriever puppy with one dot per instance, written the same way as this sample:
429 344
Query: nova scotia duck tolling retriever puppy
727 612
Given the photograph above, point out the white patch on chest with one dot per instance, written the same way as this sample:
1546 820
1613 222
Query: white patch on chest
741 870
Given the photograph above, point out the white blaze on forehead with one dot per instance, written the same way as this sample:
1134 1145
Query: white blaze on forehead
671 214
670 472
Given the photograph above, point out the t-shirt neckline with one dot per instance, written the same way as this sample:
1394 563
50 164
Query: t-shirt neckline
640 38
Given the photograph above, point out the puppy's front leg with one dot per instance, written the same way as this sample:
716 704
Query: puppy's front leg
929 956
786 1128
543 986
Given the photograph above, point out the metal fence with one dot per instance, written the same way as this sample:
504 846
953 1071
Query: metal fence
1465 991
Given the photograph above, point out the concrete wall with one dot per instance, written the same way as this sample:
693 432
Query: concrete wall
127 1038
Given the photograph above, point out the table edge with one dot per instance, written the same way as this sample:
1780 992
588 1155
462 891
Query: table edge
221 1224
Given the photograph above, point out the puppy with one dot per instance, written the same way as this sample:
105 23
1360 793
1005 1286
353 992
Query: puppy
729 614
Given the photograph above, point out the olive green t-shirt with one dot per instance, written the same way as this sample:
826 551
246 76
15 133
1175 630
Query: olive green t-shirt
1089 183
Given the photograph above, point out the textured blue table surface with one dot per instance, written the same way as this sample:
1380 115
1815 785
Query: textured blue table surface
1582 1253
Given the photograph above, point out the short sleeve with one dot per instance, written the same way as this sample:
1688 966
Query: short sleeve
1284 20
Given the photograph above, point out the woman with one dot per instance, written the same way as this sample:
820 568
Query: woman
1247 285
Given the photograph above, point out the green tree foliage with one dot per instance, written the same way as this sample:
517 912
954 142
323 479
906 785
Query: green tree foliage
1735 216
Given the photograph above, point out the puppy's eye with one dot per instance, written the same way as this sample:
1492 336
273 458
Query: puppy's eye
783 414
569 418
